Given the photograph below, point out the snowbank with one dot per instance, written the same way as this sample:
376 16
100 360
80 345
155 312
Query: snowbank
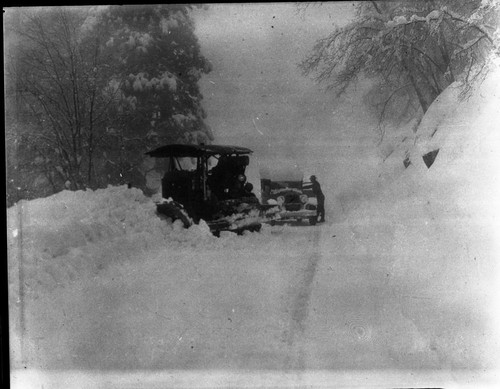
77 234
83 261
445 219
463 180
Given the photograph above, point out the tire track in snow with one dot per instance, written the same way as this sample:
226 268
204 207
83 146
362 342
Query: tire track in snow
300 305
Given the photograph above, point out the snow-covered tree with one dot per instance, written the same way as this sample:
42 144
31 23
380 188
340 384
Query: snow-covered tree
90 89
158 64
411 50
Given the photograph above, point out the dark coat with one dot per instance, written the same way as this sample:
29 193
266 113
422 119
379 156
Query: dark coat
316 188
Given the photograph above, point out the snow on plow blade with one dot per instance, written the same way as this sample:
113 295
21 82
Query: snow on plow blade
174 211
247 216
250 219
302 214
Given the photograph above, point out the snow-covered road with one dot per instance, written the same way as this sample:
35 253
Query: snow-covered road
110 287
227 307
356 304
312 297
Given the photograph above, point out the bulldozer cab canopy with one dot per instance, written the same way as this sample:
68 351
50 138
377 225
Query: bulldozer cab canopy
193 151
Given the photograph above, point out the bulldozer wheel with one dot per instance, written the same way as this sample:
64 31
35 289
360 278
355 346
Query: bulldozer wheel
174 212
256 228
313 220
187 223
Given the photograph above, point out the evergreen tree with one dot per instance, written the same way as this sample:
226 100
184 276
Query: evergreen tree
157 64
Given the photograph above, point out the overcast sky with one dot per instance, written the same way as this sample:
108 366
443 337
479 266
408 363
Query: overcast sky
256 96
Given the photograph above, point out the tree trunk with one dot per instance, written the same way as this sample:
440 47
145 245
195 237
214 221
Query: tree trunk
422 101
422 88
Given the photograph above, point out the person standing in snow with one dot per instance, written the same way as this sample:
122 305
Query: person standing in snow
320 197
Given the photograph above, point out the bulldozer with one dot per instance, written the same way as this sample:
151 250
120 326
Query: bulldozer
208 182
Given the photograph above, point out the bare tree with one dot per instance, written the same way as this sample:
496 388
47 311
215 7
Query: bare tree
59 75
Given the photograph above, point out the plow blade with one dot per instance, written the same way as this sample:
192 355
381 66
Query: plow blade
248 219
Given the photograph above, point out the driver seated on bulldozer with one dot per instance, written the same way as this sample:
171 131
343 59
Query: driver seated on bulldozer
227 178
248 188
237 189
218 176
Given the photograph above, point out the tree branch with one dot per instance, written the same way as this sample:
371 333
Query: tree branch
376 7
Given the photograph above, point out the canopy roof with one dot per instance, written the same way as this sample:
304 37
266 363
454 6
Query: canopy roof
182 150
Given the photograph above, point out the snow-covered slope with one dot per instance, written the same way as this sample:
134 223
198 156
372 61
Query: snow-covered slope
463 183
446 217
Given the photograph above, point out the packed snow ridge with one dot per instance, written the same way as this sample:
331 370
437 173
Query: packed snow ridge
81 232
